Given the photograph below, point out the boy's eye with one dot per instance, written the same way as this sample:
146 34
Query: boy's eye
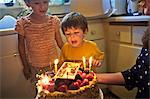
36 3
45 2
68 34
76 33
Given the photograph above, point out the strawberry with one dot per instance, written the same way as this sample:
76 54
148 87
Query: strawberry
89 76
79 81
63 88
85 82
74 86
51 87
83 75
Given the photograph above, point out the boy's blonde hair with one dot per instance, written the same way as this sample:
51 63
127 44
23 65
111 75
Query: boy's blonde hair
76 20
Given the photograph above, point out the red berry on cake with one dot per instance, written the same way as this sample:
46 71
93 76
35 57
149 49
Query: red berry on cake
89 76
45 87
74 86
63 88
84 82
51 87
83 75
79 81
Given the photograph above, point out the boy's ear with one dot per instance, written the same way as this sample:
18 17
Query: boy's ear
84 34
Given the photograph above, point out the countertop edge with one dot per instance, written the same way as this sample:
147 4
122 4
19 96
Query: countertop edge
9 31
129 18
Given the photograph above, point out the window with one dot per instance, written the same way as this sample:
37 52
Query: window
59 2
7 1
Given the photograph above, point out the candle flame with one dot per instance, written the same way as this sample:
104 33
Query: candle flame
90 60
45 80
56 61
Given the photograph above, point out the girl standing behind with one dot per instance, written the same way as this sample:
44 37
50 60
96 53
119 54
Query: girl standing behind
38 37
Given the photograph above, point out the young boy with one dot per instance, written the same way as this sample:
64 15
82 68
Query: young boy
74 26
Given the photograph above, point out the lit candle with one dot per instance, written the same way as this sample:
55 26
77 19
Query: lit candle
45 80
84 62
56 62
90 63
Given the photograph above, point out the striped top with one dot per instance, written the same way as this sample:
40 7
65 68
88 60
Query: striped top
41 47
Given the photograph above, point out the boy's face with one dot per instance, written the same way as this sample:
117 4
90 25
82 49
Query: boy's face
74 36
39 7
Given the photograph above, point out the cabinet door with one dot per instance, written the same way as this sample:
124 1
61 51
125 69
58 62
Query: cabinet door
8 45
138 32
100 44
120 33
122 57
95 30
13 83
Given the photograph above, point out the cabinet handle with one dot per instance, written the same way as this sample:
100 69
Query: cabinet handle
118 33
15 54
93 32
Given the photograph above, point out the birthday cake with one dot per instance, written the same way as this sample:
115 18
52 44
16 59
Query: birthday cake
71 79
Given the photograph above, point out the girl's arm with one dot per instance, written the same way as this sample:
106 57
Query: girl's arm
111 78
21 48
59 41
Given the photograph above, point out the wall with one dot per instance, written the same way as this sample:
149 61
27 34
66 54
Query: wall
90 7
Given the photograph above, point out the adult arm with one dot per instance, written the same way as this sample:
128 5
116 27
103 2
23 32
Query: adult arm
111 78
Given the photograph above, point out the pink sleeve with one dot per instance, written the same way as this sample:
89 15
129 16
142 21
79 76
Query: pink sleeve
19 26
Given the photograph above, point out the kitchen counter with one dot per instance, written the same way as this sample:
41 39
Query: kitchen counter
8 31
114 20
129 18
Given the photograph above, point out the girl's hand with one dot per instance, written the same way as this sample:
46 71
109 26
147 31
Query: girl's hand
27 72
97 62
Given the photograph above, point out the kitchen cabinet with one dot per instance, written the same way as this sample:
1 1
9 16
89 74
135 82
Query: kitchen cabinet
137 34
13 83
96 33
124 45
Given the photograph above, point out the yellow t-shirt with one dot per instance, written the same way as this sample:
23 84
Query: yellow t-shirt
87 50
